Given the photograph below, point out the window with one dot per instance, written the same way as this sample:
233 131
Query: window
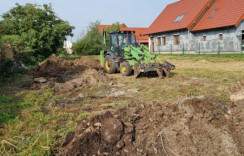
176 40
113 42
179 18
158 41
204 38
213 13
163 41
220 37
242 39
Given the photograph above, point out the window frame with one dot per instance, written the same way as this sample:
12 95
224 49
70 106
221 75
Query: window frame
163 41
177 39
220 36
204 38
158 41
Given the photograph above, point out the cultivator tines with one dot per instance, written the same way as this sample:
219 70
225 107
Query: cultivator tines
161 70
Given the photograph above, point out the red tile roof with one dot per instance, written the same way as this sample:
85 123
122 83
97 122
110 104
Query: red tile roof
138 32
224 13
166 20
101 27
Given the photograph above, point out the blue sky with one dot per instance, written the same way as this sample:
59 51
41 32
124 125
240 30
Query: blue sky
79 13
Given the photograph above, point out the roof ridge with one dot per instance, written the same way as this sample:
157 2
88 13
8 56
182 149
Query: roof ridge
201 13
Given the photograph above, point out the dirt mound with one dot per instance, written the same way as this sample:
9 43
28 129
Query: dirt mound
65 75
87 61
237 92
200 125
102 135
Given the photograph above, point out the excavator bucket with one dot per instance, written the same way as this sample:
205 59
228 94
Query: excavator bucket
161 70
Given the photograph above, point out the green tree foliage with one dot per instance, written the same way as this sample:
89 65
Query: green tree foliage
35 32
1 43
115 27
91 43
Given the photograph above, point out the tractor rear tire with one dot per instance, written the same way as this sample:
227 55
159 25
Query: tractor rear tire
125 69
109 65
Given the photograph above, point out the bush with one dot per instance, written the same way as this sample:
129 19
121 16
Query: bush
34 32
92 42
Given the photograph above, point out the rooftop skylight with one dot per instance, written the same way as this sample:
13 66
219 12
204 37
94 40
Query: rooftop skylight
213 13
179 18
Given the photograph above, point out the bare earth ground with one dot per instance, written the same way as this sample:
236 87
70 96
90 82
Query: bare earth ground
199 110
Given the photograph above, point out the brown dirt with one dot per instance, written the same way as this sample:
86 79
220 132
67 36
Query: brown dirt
197 125
64 75
102 135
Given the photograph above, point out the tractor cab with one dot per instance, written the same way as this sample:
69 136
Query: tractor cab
120 39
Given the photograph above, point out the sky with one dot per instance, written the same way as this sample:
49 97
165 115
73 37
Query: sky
80 13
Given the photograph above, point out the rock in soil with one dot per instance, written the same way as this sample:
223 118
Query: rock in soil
40 80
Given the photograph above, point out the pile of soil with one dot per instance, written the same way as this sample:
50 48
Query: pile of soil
197 125
102 135
65 75
237 92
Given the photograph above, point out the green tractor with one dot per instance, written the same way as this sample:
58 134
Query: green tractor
126 55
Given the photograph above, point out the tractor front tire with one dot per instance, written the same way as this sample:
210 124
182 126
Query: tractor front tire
109 65
125 69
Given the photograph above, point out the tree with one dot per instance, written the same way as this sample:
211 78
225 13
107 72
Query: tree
34 31
92 42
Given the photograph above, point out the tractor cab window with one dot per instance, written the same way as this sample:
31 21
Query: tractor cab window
122 41
133 40
127 39
114 43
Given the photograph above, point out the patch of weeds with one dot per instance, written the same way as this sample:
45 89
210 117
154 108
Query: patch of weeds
9 109
83 116
173 93
112 105
30 130
127 118
16 79
224 96
194 91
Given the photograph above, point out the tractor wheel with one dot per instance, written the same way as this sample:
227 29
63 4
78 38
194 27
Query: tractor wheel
109 65
125 69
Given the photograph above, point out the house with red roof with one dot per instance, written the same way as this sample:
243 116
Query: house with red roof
101 27
142 39
199 25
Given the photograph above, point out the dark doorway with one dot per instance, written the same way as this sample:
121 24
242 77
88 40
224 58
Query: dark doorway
242 40
152 44
242 35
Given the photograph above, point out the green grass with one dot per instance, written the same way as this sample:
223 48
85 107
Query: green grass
30 126
9 108
16 79
207 57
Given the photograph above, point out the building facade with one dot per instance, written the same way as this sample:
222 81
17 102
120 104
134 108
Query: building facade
213 26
